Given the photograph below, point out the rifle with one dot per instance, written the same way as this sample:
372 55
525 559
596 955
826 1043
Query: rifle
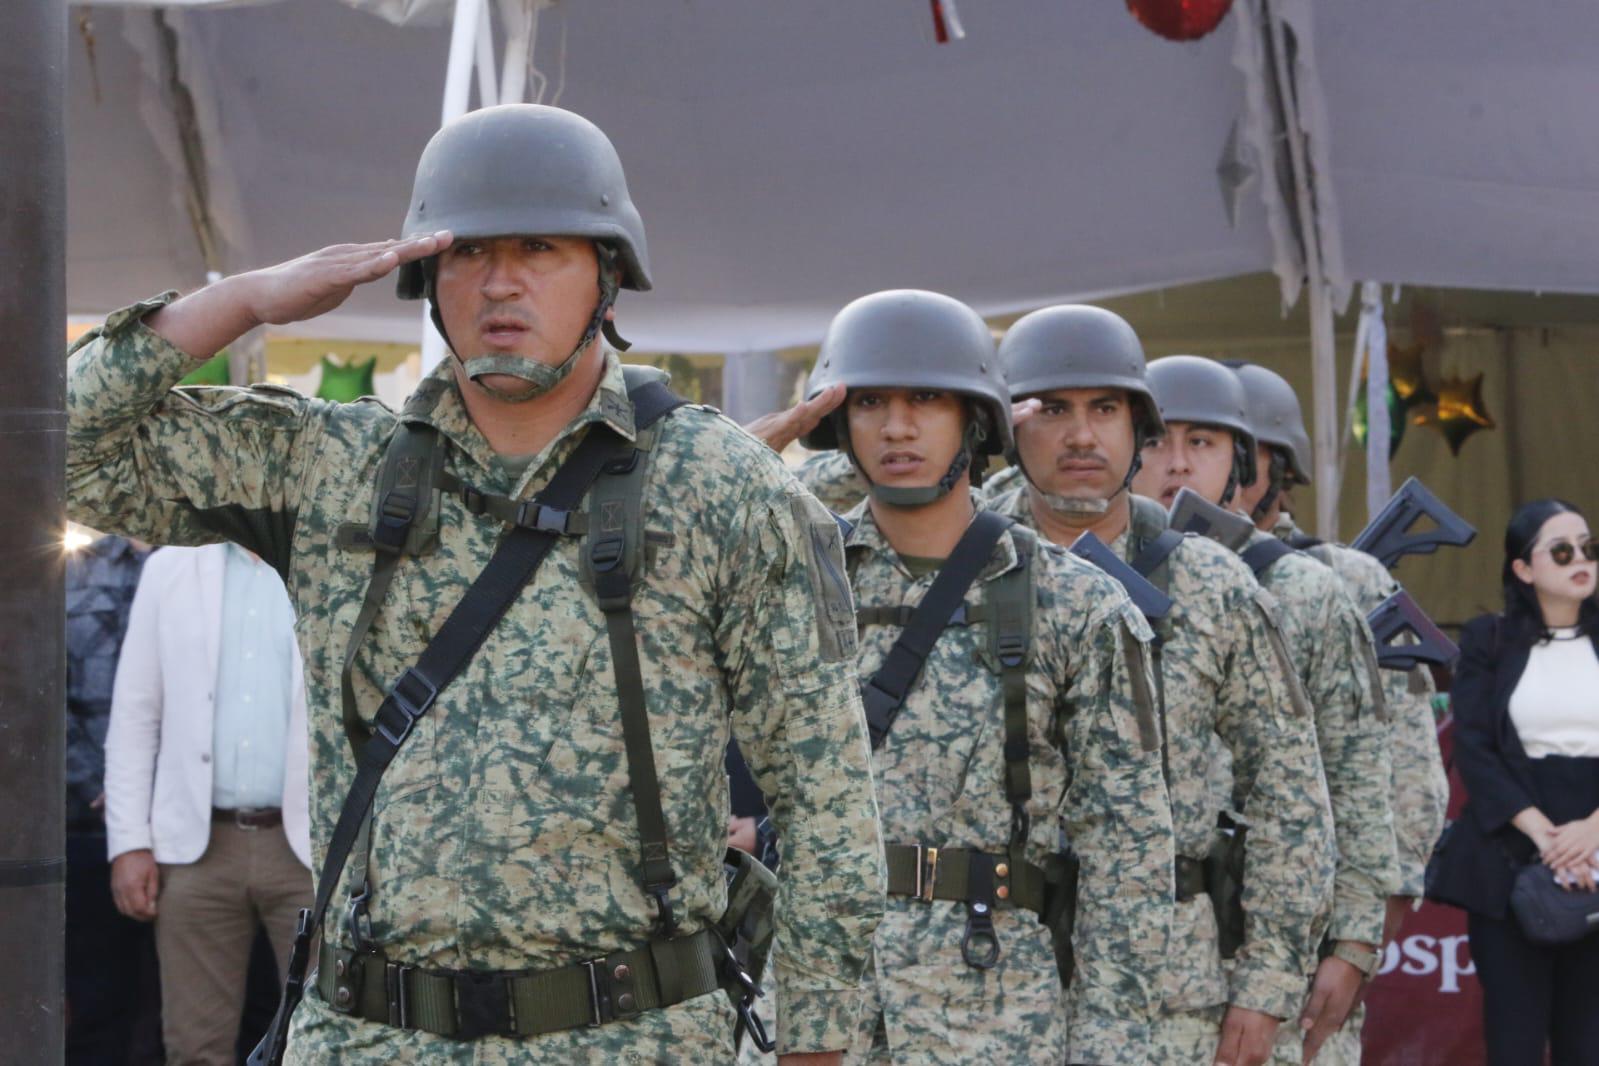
1389 539
1399 615
1192 513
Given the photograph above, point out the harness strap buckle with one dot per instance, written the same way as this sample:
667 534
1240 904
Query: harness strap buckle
395 992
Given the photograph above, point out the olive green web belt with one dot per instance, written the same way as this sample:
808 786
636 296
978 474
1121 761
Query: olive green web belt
946 873
467 1004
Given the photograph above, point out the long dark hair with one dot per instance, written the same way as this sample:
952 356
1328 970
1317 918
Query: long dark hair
1523 617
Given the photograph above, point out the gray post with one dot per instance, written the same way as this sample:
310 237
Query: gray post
32 524
752 385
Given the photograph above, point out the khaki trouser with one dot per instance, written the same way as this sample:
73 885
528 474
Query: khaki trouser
206 917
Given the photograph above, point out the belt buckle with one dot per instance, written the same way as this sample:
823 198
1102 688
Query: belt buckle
242 816
596 1013
399 1003
926 859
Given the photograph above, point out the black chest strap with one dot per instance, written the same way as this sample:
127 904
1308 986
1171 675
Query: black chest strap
884 694
1155 553
1263 555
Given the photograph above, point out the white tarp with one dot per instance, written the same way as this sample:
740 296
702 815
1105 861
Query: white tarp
789 157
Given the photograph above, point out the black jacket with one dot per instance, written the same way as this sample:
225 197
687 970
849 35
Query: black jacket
1476 865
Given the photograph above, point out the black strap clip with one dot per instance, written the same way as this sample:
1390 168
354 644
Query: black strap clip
748 992
482 1005
1012 650
530 514
980 945
408 700
395 516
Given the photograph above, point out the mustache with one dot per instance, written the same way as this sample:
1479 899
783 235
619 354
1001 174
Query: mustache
504 313
1081 457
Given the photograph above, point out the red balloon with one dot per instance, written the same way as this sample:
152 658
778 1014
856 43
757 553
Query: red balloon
1180 20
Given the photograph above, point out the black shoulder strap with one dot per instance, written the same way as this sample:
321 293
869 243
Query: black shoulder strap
1262 554
1157 552
520 553
885 693
1302 541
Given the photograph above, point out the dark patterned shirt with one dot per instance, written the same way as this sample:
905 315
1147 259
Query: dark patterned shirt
100 582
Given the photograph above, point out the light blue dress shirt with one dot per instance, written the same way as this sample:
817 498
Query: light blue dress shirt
255 672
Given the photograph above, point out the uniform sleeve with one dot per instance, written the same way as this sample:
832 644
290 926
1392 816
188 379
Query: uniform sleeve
1118 817
833 479
787 634
1280 791
179 466
1421 786
1352 732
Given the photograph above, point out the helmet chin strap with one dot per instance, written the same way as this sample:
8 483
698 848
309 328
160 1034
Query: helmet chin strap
1081 507
540 378
907 496
1275 479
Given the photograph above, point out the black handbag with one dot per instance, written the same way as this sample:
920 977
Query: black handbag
1548 914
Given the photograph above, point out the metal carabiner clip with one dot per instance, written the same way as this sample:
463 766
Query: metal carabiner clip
357 923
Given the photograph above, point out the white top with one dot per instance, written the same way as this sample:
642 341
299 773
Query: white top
1556 703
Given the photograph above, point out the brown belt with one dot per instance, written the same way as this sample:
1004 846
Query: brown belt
249 817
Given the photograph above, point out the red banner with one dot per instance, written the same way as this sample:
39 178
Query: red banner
1425 1006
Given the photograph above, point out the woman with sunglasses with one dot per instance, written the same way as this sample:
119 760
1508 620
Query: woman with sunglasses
1526 705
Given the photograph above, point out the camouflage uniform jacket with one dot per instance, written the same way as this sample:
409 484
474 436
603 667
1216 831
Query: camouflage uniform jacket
505 834
1331 647
832 478
1420 784
1095 766
1228 691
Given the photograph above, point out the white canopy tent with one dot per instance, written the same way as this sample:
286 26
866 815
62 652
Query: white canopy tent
788 158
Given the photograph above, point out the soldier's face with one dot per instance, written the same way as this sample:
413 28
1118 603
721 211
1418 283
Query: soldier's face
1080 443
905 438
1189 456
527 296
1249 496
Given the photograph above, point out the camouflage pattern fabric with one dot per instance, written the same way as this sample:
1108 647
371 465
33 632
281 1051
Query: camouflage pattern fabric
1420 785
1228 688
832 478
505 834
1095 767
1332 650
1331 647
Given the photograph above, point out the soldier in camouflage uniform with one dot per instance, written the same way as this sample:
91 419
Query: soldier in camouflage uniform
965 975
1420 794
1209 447
505 835
1228 691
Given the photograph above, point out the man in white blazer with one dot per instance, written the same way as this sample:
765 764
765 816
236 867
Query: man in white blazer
206 791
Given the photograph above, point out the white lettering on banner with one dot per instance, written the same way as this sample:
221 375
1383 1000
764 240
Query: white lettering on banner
1424 955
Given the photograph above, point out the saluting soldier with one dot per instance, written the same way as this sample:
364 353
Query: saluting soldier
1254 839
1211 449
1008 693
541 875
1420 796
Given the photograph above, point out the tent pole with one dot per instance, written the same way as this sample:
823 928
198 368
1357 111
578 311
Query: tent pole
1323 356
32 555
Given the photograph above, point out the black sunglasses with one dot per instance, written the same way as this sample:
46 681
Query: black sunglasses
1564 553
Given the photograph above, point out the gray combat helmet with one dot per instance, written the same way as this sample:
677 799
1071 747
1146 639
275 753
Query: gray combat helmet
1076 346
1275 417
1190 388
906 339
525 169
